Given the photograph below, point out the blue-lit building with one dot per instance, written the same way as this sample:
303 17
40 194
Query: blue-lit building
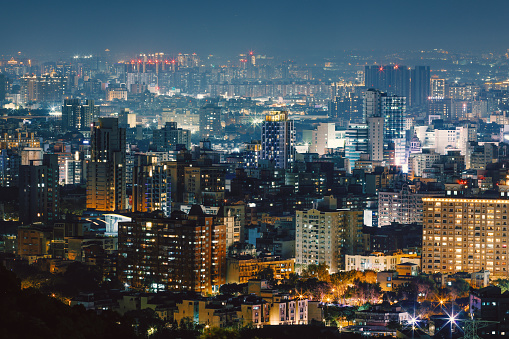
394 112
356 141
278 139
9 168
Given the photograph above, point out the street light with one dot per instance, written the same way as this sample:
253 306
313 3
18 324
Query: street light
452 319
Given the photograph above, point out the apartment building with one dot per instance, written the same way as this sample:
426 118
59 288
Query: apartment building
465 235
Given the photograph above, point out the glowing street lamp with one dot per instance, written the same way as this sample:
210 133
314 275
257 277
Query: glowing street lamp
452 319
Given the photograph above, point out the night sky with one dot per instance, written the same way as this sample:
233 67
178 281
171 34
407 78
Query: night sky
277 27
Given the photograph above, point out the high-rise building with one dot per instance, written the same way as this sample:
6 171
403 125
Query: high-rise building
3 86
78 116
210 121
376 138
151 185
204 184
420 86
372 104
116 92
89 114
394 112
388 112
74 171
393 79
346 102
9 168
465 235
43 88
402 206
180 253
437 88
106 169
278 139
39 191
71 111
440 107
167 138
356 141
196 182
326 236
323 138
126 118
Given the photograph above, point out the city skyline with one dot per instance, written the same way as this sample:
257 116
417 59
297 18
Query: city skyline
233 169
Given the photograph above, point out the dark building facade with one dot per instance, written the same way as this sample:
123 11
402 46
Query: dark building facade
106 169
39 191
393 79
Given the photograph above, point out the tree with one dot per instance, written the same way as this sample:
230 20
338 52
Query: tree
365 292
31 314
334 314
313 288
459 288
146 320
503 284
406 291
425 286
83 277
266 273
421 286
220 333
320 271
231 289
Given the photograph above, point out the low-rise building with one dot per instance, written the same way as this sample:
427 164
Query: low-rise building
241 269
379 261
381 315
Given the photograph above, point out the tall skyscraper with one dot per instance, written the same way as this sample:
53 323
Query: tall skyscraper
393 79
106 177
278 139
387 113
394 112
420 86
39 191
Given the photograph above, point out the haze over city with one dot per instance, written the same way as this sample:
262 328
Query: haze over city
286 28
